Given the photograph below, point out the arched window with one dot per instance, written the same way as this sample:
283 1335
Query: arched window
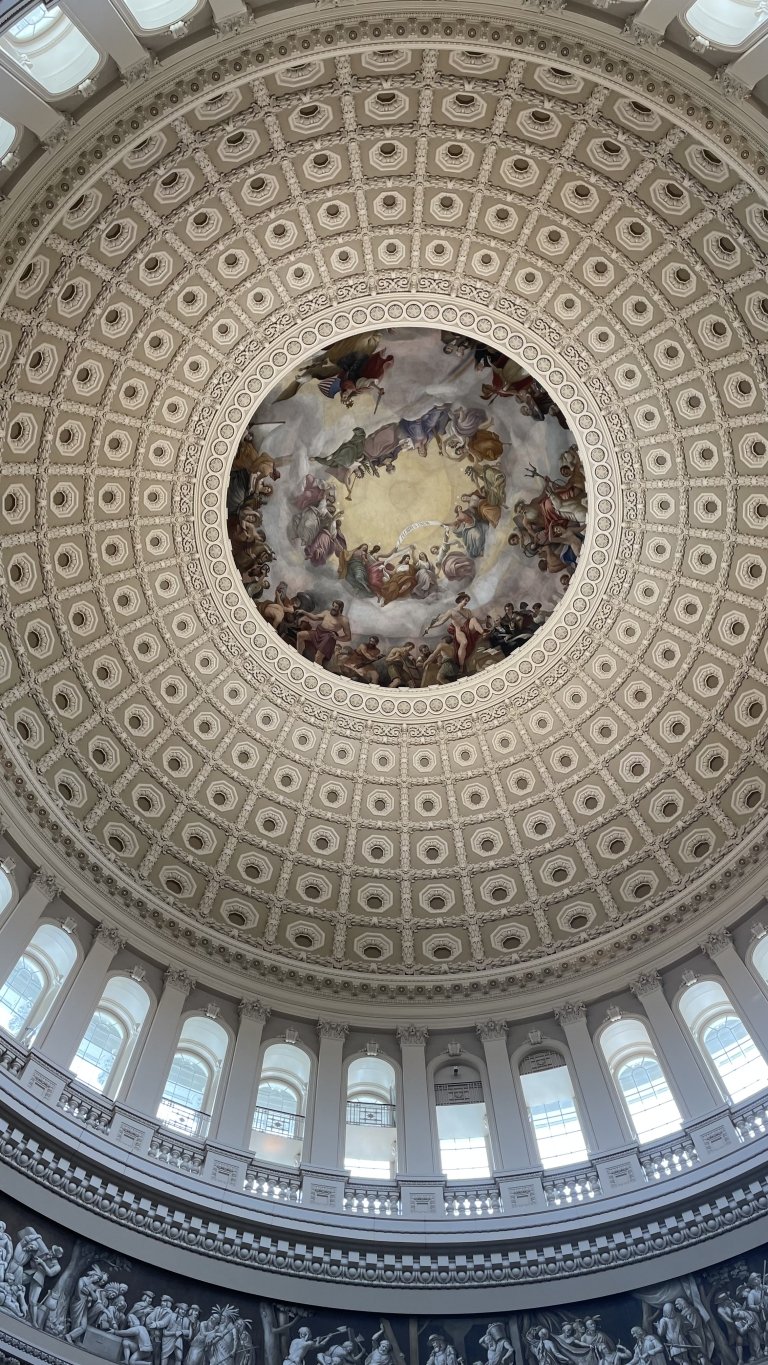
151 15
760 957
102 1043
370 1147
190 1089
277 1126
32 985
106 1046
551 1104
637 1074
462 1123
51 49
6 889
728 1047
20 993
726 23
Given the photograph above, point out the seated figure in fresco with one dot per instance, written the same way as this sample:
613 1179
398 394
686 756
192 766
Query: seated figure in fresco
450 561
347 462
430 426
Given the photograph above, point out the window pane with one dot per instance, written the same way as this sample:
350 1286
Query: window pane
648 1098
552 1113
99 1050
187 1081
35 22
154 14
280 1098
184 1095
741 1067
19 994
464 1158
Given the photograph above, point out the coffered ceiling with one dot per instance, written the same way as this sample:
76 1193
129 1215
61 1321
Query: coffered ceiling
592 794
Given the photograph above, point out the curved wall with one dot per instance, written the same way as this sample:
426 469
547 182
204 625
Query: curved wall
65 1297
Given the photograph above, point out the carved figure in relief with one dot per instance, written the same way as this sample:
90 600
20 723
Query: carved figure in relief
499 1349
742 1326
162 1325
441 1352
6 1250
649 1350
43 1265
302 1344
345 1352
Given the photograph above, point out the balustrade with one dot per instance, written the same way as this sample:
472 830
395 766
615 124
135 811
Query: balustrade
667 1159
177 1141
571 1187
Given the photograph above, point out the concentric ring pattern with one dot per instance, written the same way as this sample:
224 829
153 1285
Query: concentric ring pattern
560 811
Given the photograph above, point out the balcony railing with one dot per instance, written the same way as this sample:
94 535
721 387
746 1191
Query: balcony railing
182 1118
362 1113
275 1121
177 1140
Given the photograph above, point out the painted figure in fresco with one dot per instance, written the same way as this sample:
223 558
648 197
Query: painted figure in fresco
346 462
463 626
431 425
322 631
345 369
450 561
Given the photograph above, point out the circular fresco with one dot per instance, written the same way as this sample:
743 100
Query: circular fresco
407 507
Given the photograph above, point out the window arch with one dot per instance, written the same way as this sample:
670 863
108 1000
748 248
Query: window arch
152 15
20 993
99 1050
190 1088
277 1125
370 1147
50 49
639 1078
726 23
32 985
6 885
550 1100
726 1044
106 1046
760 958
462 1123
